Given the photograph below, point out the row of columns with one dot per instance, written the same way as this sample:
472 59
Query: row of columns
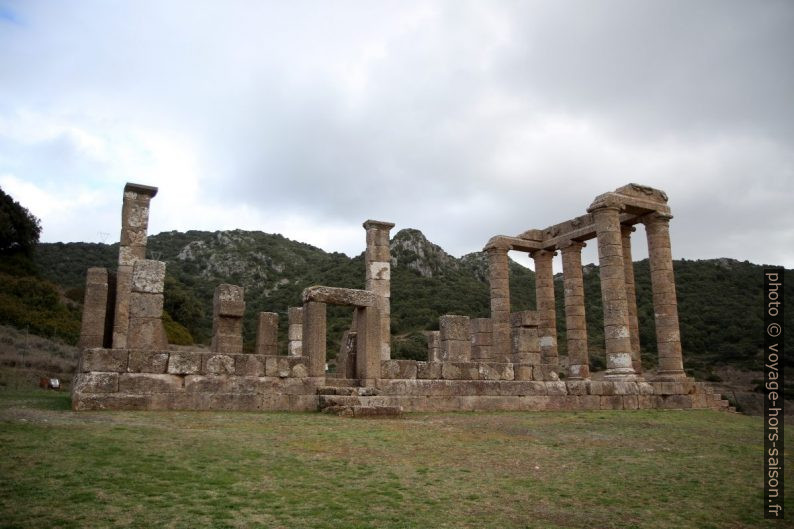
618 292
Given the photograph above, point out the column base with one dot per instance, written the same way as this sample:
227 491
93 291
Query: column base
578 372
621 373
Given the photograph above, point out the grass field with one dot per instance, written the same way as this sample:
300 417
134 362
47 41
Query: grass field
641 469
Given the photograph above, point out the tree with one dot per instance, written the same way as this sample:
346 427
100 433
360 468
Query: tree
19 228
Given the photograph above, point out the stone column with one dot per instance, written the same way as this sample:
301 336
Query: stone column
295 332
368 345
613 293
92 327
575 322
228 307
455 341
544 299
433 346
631 297
314 329
665 304
499 278
145 329
267 334
481 332
526 344
377 260
134 227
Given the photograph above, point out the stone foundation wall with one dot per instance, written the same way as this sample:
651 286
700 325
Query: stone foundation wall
189 380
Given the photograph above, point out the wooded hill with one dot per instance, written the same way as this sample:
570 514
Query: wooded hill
720 301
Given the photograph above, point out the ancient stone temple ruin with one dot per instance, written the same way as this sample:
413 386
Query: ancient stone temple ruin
509 361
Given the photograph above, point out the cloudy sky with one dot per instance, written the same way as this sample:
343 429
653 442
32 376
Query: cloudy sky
462 119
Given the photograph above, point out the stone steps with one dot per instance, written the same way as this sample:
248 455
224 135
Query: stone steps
347 391
349 402
364 411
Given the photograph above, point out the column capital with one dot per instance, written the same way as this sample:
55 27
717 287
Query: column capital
140 189
626 231
655 217
607 201
542 254
571 246
497 247
378 224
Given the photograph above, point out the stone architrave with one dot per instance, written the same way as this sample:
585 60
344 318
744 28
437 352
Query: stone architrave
228 307
145 330
613 292
377 262
665 303
499 279
132 246
92 327
295 331
544 299
267 334
631 298
575 322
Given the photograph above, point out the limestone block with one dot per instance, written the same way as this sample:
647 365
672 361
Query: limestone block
299 370
578 387
450 371
379 270
545 372
295 316
147 383
114 360
295 332
146 333
454 327
147 362
128 255
399 369
433 346
524 318
228 300
428 370
148 276
227 344
480 325
110 401
96 383
522 371
218 364
146 305
295 349
611 402
557 387
184 363
249 365
339 296
455 350
267 333
602 387
675 402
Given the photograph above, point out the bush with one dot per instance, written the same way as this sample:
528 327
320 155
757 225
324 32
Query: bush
176 333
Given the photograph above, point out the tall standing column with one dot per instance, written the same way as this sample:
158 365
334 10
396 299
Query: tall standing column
631 298
377 259
134 227
665 304
92 326
575 322
544 298
613 293
314 328
499 279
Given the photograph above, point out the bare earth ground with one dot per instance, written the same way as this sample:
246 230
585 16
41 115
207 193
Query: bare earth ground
648 469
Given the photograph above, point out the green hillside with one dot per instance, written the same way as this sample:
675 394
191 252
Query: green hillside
720 300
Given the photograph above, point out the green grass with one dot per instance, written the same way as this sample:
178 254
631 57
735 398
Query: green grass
508 470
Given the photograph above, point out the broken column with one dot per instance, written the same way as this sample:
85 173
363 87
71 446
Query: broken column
665 304
433 346
377 260
544 299
575 322
481 332
295 331
267 334
92 327
145 329
613 291
368 345
314 329
454 335
134 226
228 307
525 341
499 278
631 298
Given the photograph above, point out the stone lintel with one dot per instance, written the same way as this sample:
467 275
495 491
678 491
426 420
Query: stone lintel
141 189
506 242
378 224
340 296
